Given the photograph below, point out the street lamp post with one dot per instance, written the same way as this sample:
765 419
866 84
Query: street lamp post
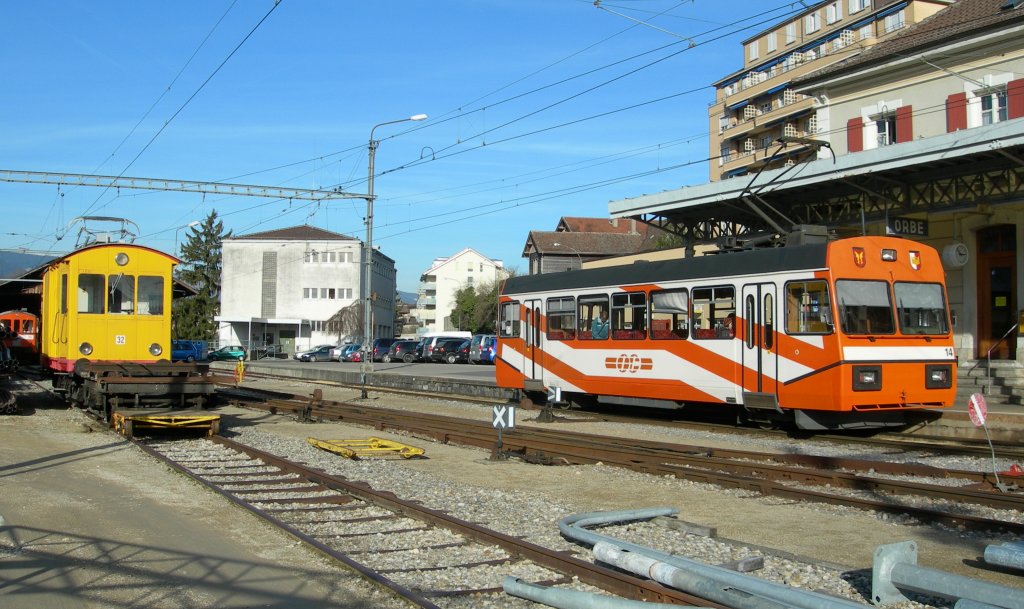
576 251
367 364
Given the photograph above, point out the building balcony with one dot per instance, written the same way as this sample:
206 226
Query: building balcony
428 286
768 119
426 301
757 85
754 159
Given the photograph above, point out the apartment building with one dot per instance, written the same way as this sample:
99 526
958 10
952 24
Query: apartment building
758 120
441 282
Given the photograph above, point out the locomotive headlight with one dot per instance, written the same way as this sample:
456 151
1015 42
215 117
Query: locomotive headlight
889 255
155 349
121 259
938 376
85 349
867 378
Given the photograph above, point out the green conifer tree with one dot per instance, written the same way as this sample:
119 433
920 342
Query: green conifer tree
200 268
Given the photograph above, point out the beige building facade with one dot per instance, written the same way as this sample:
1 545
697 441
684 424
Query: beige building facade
757 105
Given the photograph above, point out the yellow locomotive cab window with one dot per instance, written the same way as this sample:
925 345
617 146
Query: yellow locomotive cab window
90 293
121 293
151 295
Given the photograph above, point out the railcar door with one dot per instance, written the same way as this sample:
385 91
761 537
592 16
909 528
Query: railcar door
760 352
534 355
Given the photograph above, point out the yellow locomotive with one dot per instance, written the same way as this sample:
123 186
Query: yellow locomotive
106 331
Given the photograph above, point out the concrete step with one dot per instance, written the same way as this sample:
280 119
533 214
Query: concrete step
1000 381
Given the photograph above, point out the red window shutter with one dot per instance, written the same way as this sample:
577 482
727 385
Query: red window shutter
1015 98
956 112
855 134
904 124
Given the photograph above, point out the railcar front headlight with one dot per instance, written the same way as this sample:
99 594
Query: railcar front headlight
85 349
867 378
155 349
938 376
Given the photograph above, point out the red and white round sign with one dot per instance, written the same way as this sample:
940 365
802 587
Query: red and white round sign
978 409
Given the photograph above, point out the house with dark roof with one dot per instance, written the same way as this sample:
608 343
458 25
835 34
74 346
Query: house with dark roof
576 241
299 287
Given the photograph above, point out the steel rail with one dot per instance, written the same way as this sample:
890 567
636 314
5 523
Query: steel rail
687 462
607 579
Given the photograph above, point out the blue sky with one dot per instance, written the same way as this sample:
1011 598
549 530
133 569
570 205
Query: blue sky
538 109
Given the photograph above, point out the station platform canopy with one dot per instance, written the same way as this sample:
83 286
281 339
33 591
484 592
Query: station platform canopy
958 170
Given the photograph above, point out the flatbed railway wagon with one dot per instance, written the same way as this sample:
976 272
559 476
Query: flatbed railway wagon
841 334
106 331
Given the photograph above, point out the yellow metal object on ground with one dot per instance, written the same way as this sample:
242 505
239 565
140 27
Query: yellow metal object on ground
370 447
129 424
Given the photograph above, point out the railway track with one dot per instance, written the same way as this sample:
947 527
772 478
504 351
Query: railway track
710 422
949 497
429 558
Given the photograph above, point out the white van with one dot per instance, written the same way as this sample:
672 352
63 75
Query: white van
429 340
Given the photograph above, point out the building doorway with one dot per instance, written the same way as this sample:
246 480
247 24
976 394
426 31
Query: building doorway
997 289
287 338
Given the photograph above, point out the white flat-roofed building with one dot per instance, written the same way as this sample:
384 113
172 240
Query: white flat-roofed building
290 287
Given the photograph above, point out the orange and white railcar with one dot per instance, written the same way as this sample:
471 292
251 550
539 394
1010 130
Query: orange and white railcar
22 334
848 333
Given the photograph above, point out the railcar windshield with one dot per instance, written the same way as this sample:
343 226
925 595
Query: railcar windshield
921 308
121 294
865 307
151 295
90 293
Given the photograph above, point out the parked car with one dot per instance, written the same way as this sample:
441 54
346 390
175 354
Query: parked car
187 350
482 348
402 350
462 354
339 353
446 350
353 354
226 353
381 346
430 340
316 354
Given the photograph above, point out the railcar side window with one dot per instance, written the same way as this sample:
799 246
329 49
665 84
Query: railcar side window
865 307
921 308
629 315
509 322
561 318
90 293
151 295
713 310
121 294
670 314
808 308
63 294
593 317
